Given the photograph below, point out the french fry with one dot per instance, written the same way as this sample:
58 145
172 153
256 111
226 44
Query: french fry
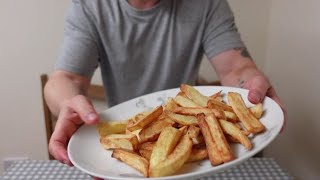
132 159
216 96
185 102
193 111
152 131
182 119
146 120
145 153
257 110
183 129
198 154
198 140
231 139
230 116
251 123
213 153
170 104
167 141
194 94
174 161
111 127
219 138
147 145
124 141
235 132
214 104
135 132
140 116
193 131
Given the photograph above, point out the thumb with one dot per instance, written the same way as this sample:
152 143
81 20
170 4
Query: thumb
83 106
258 87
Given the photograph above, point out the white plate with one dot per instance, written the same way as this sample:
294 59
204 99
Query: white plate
86 153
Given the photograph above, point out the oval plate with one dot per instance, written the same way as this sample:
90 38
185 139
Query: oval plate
86 153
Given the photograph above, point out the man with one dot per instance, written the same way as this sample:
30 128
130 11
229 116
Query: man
143 46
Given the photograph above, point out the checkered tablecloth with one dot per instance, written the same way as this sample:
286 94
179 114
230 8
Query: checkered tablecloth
254 168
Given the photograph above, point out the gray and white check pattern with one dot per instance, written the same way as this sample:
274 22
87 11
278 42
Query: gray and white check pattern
253 169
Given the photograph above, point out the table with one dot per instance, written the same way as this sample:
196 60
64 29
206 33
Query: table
254 168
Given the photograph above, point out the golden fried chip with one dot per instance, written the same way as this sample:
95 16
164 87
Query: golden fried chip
251 123
132 159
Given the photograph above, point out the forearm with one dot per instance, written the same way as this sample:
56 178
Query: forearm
63 86
235 67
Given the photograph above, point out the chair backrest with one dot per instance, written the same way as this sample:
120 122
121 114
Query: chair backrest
95 92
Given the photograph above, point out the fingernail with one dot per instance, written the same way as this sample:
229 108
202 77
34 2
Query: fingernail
256 96
92 116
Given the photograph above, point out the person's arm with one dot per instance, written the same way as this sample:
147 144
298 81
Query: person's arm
63 86
65 95
236 68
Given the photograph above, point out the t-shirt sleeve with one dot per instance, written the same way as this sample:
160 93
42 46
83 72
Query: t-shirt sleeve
79 52
220 33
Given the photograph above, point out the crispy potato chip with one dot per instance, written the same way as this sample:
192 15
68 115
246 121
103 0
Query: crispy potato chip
216 96
146 120
251 123
174 161
257 110
135 132
147 145
199 140
182 119
132 159
214 154
198 154
124 141
214 104
194 94
193 111
219 138
185 102
193 131
145 153
170 104
152 131
111 127
167 141
235 132
230 116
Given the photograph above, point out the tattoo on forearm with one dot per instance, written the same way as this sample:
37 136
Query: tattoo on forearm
240 83
244 52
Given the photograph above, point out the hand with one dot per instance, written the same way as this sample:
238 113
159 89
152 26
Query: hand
73 114
259 87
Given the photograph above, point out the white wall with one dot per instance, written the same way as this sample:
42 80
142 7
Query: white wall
293 65
30 36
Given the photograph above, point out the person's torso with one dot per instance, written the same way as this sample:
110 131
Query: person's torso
143 51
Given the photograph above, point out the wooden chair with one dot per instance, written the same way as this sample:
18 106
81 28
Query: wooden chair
95 92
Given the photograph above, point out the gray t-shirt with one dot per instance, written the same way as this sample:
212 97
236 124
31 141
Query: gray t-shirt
143 51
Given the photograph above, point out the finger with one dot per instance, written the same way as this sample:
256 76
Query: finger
258 88
60 153
68 122
96 178
85 109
